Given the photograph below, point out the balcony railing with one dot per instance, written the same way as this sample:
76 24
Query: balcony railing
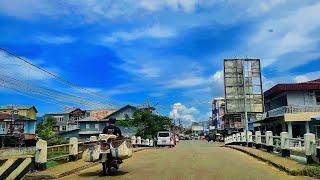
280 111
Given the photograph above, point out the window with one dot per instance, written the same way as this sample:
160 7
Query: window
163 134
96 126
60 119
64 128
87 126
318 97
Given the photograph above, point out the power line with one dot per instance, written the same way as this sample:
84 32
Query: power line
59 96
69 83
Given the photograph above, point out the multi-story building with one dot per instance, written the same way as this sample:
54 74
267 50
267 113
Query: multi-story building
292 108
67 120
92 126
218 111
19 121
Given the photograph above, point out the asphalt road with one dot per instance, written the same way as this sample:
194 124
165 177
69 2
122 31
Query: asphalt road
189 160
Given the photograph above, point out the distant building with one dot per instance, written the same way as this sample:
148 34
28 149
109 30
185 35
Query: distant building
67 120
218 111
92 126
197 128
19 121
293 108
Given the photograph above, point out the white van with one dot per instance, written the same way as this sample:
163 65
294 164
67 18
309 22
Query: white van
165 138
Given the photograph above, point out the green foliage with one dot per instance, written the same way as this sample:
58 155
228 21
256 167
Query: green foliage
313 171
149 124
188 131
45 131
124 123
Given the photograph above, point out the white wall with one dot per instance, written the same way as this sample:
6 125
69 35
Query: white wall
301 98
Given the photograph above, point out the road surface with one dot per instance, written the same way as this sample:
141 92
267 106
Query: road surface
189 160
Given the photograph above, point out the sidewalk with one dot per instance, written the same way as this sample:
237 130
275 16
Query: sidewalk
66 168
288 165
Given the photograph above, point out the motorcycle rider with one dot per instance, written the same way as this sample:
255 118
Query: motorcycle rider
111 128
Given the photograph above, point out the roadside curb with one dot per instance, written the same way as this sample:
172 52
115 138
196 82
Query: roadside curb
48 176
300 172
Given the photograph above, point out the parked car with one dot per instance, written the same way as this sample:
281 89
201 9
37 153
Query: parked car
165 138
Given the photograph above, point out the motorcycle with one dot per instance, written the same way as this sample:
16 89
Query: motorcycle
108 144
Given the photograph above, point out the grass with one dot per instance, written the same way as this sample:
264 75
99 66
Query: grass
311 170
51 164
56 154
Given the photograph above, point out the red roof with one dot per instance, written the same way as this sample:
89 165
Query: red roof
279 88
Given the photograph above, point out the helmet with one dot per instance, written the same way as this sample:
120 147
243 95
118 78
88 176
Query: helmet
112 120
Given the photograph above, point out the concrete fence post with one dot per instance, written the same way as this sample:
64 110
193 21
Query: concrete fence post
138 140
243 138
133 141
41 155
285 151
309 145
258 139
147 142
238 138
249 138
151 143
269 141
73 149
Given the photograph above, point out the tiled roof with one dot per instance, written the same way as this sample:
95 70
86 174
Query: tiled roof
279 88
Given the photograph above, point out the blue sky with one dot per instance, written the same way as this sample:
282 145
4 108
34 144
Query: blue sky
170 51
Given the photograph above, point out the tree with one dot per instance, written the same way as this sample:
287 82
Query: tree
46 132
149 124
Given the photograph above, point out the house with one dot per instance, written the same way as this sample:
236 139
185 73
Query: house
100 113
18 121
197 128
218 111
292 108
67 120
93 126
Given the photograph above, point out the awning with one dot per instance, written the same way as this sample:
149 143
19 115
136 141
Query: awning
270 120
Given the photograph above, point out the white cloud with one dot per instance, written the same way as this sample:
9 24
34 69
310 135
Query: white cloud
145 70
295 32
217 77
260 7
184 5
10 66
155 31
180 111
301 78
54 39
186 81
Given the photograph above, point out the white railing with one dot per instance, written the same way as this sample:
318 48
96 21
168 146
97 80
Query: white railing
283 143
292 109
74 148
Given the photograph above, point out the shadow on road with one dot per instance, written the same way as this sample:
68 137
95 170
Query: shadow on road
100 174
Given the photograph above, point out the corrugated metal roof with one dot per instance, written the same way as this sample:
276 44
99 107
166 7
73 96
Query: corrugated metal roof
18 107
279 88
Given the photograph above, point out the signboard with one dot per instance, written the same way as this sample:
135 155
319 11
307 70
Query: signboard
197 128
243 86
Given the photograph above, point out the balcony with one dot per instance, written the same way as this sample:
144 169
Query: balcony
294 112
